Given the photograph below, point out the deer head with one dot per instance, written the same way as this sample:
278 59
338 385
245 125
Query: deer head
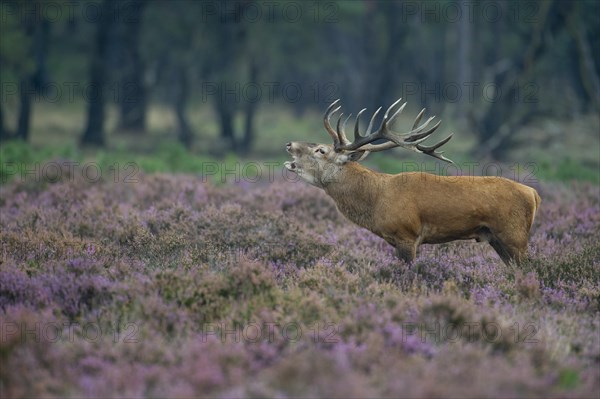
319 164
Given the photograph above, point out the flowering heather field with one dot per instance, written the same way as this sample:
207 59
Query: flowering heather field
175 287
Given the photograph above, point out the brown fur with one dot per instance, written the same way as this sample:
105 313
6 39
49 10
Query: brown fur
409 209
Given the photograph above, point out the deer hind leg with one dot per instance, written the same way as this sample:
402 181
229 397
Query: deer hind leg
501 250
510 250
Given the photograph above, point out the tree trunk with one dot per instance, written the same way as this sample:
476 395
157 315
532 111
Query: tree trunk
40 31
587 70
184 132
32 28
498 123
390 63
231 37
248 139
464 60
370 66
25 93
3 132
94 131
133 99
251 106
226 115
40 51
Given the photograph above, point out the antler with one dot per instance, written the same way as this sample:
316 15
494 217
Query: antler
327 122
410 140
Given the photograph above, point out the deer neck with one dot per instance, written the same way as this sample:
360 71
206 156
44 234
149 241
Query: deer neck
355 191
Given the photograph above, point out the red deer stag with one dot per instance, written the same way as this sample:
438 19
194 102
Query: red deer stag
414 208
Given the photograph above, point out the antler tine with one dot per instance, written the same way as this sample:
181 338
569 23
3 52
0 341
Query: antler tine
418 135
398 112
418 119
368 132
424 125
386 122
414 140
338 125
357 135
430 150
327 121
385 116
411 140
418 129
342 132
333 104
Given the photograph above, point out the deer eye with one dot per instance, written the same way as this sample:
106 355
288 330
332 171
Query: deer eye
321 150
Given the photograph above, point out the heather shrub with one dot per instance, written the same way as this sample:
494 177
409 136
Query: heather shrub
528 286
71 288
203 295
331 376
176 286
451 319
569 268
25 359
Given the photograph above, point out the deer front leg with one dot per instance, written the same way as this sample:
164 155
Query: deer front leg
405 249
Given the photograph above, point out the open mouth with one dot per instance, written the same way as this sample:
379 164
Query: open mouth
293 166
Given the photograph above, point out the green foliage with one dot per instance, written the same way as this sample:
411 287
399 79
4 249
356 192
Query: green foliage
173 157
170 156
15 45
17 157
568 169
568 378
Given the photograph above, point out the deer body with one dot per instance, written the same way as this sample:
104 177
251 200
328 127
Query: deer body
410 209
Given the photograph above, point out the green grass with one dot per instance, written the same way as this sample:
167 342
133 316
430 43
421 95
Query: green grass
56 130
568 169
568 379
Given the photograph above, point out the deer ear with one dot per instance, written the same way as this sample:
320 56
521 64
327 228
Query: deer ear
357 156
